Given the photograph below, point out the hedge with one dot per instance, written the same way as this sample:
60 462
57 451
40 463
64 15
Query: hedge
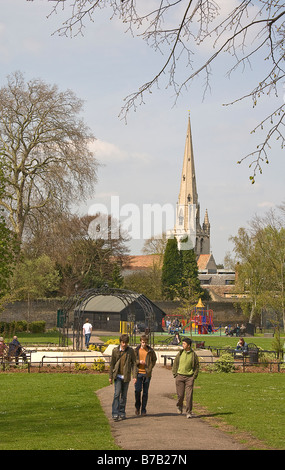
22 325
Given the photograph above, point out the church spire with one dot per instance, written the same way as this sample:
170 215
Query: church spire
188 189
187 226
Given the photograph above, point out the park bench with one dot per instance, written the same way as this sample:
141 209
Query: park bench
197 344
168 357
251 352
11 359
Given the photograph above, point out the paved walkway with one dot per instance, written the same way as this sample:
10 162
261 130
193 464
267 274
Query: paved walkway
162 428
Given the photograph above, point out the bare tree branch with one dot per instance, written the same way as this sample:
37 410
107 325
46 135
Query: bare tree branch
180 28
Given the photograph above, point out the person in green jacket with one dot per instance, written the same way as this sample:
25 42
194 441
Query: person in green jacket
185 370
122 366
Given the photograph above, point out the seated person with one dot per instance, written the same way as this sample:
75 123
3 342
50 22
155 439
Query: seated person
16 350
176 340
3 348
241 346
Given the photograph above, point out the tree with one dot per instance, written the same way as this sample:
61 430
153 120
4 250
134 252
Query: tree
260 253
250 273
270 240
246 30
9 248
35 278
147 282
84 257
171 269
44 150
190 279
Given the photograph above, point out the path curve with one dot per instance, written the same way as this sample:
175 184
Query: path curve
162 428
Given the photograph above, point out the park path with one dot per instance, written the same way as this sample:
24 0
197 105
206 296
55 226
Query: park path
162 428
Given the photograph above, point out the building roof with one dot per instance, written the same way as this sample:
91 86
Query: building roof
142 262
206 262
113 304
104 303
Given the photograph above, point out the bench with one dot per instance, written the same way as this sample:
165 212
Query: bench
24 356
169 357
251 352
171 342
9 359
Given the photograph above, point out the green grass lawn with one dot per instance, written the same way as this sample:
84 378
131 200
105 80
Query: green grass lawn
30 339
53 412
224 341
253 403
61 411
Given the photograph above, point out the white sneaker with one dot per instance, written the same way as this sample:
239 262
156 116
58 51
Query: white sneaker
179 410
189 415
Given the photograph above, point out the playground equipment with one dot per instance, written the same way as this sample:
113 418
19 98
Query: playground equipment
202 320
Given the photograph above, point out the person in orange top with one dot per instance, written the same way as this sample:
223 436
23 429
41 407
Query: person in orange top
145 360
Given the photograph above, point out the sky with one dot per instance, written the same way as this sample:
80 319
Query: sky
141 160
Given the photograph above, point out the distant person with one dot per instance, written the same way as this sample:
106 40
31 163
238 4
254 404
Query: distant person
145 360
3 349
242 330
185 370
87 330
16 350
176 340
241 346
122 367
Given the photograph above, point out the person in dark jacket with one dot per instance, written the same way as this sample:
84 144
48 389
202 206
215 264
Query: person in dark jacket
145 360
122 366
185 370
16 350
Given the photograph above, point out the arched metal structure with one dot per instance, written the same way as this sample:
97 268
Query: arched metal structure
77 305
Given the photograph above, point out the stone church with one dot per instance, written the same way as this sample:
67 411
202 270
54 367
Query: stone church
188 224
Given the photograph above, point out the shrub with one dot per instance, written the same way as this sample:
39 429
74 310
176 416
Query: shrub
37 326
99 364
112 341
12 327
21 325
225 363
92 347
80 366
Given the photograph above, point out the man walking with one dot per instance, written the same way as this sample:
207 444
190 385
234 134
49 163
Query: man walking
145 360
185 370
87 330
122 365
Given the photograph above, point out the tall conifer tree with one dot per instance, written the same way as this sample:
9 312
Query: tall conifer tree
171 269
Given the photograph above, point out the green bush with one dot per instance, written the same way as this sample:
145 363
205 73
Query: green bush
225 363
12 327
21 325
37 326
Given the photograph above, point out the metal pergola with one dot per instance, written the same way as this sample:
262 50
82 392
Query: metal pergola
77 303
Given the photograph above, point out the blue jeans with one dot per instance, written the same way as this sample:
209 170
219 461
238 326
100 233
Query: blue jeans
141 385
120 398
87 339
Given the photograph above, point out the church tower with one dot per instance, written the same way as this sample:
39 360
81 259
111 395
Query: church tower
187 224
